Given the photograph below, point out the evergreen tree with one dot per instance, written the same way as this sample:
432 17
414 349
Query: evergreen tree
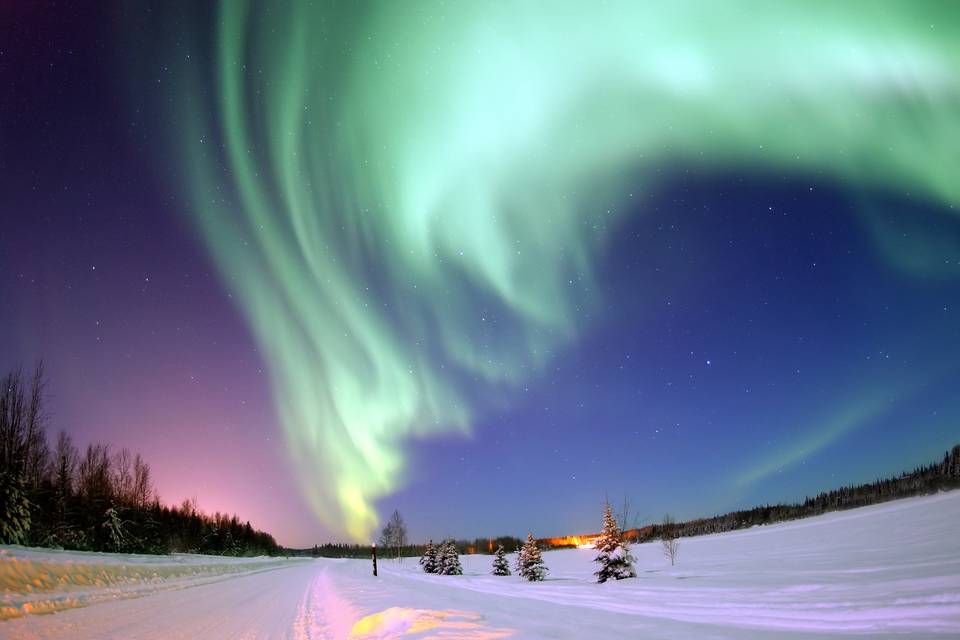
533 568
229 546
450 560
441 553
63 470
518 561
501 567
614 557
429 560
14 508
114 525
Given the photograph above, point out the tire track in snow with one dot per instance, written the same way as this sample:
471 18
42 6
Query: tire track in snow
322 613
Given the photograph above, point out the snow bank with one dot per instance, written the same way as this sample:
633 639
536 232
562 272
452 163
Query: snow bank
45 581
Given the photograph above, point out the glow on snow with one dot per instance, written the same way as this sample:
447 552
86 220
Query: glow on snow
406 199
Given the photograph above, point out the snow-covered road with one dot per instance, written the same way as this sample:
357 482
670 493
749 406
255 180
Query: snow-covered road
887 569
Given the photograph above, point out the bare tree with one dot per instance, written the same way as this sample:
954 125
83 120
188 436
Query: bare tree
37 452
142 490
122 480
394 534
190 507
628 520
23 441
65 464
669 538
12 431
24 453
93 476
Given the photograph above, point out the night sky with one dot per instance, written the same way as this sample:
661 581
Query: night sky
486 264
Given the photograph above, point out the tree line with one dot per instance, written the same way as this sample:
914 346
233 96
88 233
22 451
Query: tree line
351 550
926 479
101 499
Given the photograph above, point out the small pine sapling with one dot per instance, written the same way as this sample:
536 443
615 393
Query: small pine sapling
429 560
501 567
450 560
534 568
518 561
614 558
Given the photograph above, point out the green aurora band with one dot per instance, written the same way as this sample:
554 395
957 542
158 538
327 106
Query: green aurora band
406 198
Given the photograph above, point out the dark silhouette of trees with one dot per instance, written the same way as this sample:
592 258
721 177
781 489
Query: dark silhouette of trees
102 500
349 550
23 453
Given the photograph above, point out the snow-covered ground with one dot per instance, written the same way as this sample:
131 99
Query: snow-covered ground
886 569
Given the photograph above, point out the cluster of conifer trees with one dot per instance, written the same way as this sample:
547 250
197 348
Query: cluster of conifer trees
443 560
98 500
614 556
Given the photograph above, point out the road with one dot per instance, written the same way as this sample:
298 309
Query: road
321 599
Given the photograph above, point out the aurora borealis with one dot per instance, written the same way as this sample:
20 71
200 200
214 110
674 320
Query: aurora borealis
437 219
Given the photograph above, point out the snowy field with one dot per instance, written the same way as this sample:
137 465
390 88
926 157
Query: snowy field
886 569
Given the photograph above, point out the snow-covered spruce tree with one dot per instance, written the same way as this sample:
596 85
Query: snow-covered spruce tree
429 560
501 567
614 557
115 526
14 508
450 560
230 547
518 561
534 569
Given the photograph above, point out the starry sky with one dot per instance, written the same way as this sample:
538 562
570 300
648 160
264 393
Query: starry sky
486 263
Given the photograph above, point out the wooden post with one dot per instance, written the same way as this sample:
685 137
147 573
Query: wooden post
374 547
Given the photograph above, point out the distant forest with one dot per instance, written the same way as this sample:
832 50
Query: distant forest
931 478
100 500
348 550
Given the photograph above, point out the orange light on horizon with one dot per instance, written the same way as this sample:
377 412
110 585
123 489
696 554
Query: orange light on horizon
580 542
